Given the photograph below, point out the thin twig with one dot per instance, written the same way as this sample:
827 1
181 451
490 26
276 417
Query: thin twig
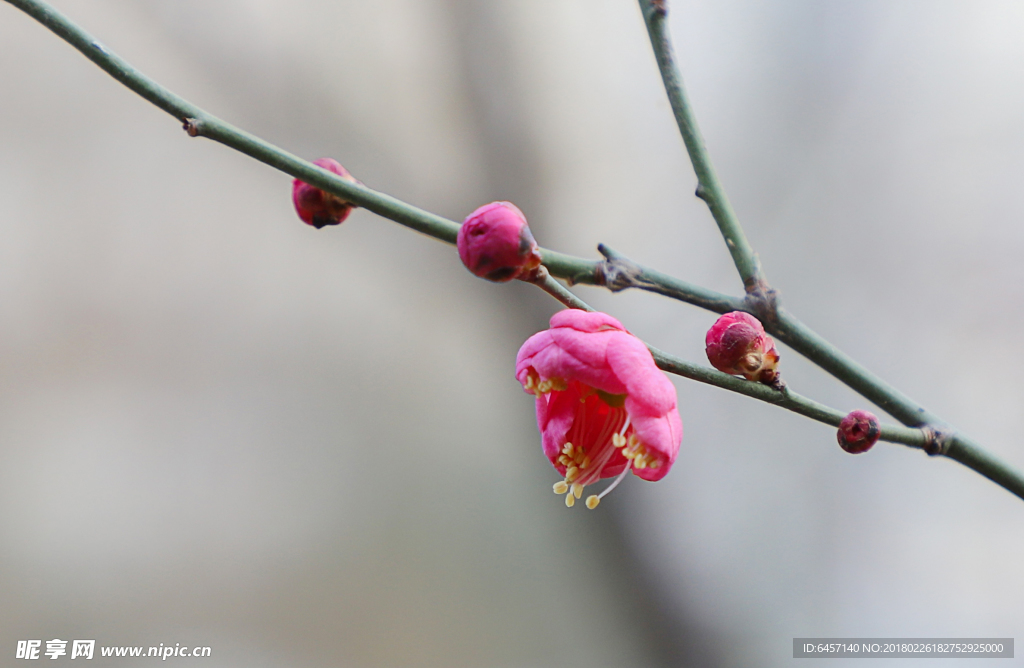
761 299
543 280
578 270
709 188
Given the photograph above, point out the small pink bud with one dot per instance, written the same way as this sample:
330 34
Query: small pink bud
737 344
495 243
318 208
858 432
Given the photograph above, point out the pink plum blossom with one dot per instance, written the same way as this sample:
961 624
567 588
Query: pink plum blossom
496 243
603 407
316 207
737 344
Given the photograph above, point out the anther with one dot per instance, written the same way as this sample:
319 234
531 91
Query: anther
592 501
572 473
570 500
561 487
577 490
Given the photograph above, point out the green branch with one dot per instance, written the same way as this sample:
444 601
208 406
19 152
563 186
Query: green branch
761 299
709 188
615 272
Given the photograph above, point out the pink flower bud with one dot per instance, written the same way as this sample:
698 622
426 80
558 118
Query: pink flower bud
495 243
858 432
737 344
318 208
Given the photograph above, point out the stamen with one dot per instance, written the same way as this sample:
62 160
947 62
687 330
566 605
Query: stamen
570 500
572 474
561 487
612 486
592 501
577 490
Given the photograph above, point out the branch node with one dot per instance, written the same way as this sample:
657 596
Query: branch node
193 126
936 440
701 192
763 301
617 273
659 7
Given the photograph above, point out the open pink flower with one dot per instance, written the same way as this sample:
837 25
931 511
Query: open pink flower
603 407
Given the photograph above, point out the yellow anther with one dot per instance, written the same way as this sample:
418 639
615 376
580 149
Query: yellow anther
561 487
558 384
586 462
567 448
572 474
564 460
628 454
633 441
577 490
544 387
655 464
592 501
639 463
618 440
570 500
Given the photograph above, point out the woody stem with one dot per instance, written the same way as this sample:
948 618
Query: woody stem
199 123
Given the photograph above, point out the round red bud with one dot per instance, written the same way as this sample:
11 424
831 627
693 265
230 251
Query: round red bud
318 208
737 344
495 243
858 432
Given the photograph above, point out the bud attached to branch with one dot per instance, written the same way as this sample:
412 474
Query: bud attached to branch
496 243
737 344
318 208
858 432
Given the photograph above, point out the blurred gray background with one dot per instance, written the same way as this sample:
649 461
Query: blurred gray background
304 448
